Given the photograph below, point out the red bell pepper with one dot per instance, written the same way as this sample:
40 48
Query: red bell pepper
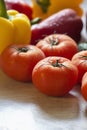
20 6
65 21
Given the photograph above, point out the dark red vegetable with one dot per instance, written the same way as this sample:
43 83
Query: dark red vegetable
20 6
64 22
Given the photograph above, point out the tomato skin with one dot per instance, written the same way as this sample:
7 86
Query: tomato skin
84 86
54 81
80 61
18 64
58 45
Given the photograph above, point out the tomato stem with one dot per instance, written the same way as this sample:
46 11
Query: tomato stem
23 49
57 64
53 41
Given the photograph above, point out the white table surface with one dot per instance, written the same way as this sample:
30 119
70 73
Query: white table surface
22 107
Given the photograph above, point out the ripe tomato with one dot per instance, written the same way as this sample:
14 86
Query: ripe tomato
58 45
54 76
84 86
80 60
18 61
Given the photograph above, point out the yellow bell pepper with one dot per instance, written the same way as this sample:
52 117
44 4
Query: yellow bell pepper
45 8
15 27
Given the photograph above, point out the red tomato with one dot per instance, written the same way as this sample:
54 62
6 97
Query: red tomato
18 61
80 60
58 45
84 86
54 76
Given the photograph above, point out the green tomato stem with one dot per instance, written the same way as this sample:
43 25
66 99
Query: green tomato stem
23 49
57 64
53 42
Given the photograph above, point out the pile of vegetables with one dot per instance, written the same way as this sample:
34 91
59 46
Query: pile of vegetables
48 53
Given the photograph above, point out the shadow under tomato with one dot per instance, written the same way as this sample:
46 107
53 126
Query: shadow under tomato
85 109
59 107
56 107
